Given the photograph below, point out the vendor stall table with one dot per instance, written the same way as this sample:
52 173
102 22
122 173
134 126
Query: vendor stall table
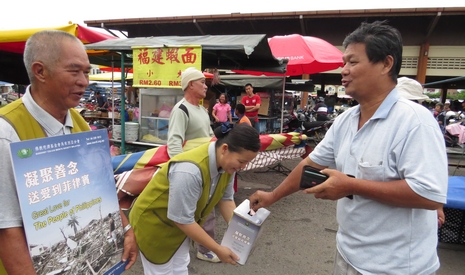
106 121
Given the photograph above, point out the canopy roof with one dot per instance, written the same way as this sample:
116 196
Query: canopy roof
246 52
12 44
269 82
109 76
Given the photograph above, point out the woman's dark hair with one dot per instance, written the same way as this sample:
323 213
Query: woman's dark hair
381 40
225 97
238 137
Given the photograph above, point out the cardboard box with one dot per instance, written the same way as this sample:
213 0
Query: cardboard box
115 114
264 107
90 113
244 230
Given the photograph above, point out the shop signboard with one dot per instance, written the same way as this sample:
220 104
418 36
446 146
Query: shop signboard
161 67
68 202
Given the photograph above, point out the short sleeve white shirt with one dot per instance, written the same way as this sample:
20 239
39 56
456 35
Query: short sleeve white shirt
186 187
401 141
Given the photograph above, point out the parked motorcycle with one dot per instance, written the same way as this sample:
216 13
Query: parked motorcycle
451 140
316 130
453 131
303 123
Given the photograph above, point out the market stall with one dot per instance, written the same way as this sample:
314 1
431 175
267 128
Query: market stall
270 90
247 52
111 76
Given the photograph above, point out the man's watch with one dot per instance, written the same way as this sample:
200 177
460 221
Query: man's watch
126 228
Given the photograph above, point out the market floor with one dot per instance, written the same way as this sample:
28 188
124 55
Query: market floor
299 235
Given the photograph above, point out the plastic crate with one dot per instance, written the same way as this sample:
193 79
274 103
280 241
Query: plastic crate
453 230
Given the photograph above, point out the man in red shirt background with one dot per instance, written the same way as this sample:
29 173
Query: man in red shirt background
252 104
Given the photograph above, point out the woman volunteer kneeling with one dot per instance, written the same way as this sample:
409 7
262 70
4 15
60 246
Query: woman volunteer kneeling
182 193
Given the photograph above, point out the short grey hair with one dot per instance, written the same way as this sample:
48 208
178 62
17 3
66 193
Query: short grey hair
46 47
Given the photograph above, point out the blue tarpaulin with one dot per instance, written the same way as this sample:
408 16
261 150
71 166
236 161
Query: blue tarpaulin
2 83
456 193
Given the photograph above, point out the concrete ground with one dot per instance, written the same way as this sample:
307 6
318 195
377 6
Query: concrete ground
299 235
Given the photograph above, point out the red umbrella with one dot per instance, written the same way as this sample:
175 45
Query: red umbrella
306 55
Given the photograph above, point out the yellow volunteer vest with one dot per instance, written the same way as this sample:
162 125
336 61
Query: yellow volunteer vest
28 128
157 236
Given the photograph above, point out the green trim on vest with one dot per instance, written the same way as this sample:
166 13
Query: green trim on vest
28 128
157 236
2 269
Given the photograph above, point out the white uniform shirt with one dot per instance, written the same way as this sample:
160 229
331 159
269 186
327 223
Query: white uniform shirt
186 188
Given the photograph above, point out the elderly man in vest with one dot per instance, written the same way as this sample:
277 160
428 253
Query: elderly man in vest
58 69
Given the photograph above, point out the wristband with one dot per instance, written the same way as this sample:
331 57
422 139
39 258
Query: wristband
126 228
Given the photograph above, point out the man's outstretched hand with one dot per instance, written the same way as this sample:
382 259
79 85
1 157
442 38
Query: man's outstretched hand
260 199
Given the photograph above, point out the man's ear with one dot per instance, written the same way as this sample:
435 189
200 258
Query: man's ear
39 70
388 63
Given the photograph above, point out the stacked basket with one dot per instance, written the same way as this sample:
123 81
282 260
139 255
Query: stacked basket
131 131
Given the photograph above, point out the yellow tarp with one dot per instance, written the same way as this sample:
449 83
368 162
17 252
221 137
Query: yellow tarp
23 35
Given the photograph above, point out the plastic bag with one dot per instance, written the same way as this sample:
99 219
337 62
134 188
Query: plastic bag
165 111
135 114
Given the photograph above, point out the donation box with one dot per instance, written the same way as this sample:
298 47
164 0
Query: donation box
243 230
